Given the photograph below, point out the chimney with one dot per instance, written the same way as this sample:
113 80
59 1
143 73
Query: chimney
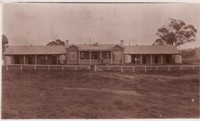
122 42
66 42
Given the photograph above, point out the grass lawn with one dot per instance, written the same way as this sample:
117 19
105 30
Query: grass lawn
84 94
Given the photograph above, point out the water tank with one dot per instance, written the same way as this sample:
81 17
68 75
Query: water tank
62 59
7 59
127 59
178 59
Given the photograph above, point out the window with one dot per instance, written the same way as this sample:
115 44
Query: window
16 60
106 55
135 59
73 55
84 55
95 55
117 55
54 59
168 59
30 59
156 59
144 59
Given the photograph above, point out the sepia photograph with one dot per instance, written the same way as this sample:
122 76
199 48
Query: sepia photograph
100 60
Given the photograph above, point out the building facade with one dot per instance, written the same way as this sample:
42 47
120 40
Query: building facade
92 54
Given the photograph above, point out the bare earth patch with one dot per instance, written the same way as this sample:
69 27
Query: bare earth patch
79 94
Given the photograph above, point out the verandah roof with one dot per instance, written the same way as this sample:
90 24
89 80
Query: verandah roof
151 49
43 50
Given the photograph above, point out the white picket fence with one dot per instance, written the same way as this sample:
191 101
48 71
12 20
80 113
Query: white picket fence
46 67
96 68
146 67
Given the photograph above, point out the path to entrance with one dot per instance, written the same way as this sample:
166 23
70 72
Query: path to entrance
106 90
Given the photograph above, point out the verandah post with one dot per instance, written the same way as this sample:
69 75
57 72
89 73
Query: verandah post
57 59
140 59
62 67
101 57
35 59
6 67
111 59
90 56
121 69
168 68
24 59
21 67
161 58
46 59
79 57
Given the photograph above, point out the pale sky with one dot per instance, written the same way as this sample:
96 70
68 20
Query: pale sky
105 23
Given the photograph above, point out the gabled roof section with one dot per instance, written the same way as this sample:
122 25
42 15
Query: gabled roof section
97 47
151 49
121 46
72 46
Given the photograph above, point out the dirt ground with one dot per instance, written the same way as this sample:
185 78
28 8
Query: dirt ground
84 94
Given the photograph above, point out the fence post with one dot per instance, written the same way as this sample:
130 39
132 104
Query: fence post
21 67
62 67
168 68
193 67
156 68
95 68
48 67
6 67
133 68
145 69
89 67
35 67
121 69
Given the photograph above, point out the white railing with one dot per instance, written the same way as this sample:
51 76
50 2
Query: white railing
47 67
122 68
146 67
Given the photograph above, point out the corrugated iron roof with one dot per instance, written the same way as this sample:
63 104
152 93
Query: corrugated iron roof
37 50
42 50
151 49
97 47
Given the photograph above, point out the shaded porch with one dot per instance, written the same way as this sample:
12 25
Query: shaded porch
95 57
151 59
38 59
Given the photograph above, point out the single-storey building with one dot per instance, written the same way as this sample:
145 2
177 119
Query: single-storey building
92 54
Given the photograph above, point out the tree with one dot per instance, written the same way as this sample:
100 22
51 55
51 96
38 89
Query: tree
58 42
188 53
176 33
4 43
